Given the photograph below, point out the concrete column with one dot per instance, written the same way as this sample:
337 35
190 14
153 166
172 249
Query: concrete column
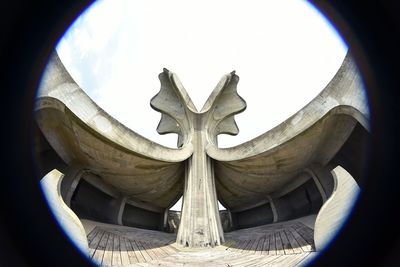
200 224
121 210
165 219
230 218
70 182
323 180
273 208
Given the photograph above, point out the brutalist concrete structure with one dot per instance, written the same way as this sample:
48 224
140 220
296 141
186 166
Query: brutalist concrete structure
113 175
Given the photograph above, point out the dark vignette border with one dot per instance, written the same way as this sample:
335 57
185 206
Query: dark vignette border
29 235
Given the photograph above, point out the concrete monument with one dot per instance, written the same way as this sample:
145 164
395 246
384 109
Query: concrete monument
113 175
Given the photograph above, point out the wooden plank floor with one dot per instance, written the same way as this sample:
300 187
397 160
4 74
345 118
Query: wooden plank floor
280 244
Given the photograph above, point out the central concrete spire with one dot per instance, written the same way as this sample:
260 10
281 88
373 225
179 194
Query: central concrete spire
200 224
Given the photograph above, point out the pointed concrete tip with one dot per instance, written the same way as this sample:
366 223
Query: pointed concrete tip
233 72
166 70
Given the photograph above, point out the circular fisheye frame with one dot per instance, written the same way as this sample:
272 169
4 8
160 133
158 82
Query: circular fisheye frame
323 173
301 201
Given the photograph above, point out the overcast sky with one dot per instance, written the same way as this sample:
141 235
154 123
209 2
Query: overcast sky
285 52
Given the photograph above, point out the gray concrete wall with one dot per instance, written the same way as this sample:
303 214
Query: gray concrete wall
67 219
354 154
336 209
253 217
90 203
46 158
141 218
302 201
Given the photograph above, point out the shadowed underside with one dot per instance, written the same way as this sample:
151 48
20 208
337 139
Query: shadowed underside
280 175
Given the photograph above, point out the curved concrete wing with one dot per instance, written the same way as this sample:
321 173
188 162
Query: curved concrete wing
336 210
67 219
248 173
83 134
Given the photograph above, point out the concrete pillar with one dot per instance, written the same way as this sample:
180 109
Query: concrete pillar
230 218
70 182
200 224
273 208
121 210
323 180
165 219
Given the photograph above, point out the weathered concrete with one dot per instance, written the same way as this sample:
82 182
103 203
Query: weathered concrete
81 132
335 211
200 224
69 222
266 165
280 175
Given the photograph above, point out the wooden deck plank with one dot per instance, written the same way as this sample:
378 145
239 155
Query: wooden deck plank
306 232
149 249
247 247
260 246
108 252
278 244
243 245
285 243
239 245
168 249
302 242
290 260
92 234
293 243
116 255
243 260
140 247
124 252
266 261
272 245
253 247
130 251
310 256
99 253
160 253
96 235
137 251
265 248
235 245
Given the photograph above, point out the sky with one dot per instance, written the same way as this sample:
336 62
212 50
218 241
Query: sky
285 52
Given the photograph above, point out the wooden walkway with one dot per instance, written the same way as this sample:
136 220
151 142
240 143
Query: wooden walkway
285 244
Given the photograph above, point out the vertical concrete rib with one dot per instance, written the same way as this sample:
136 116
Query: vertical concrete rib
318 184
70 182
273 208
121 210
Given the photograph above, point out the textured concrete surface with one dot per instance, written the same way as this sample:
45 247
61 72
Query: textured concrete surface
334 212
82 133
200 224
116 176
274 161
69 222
